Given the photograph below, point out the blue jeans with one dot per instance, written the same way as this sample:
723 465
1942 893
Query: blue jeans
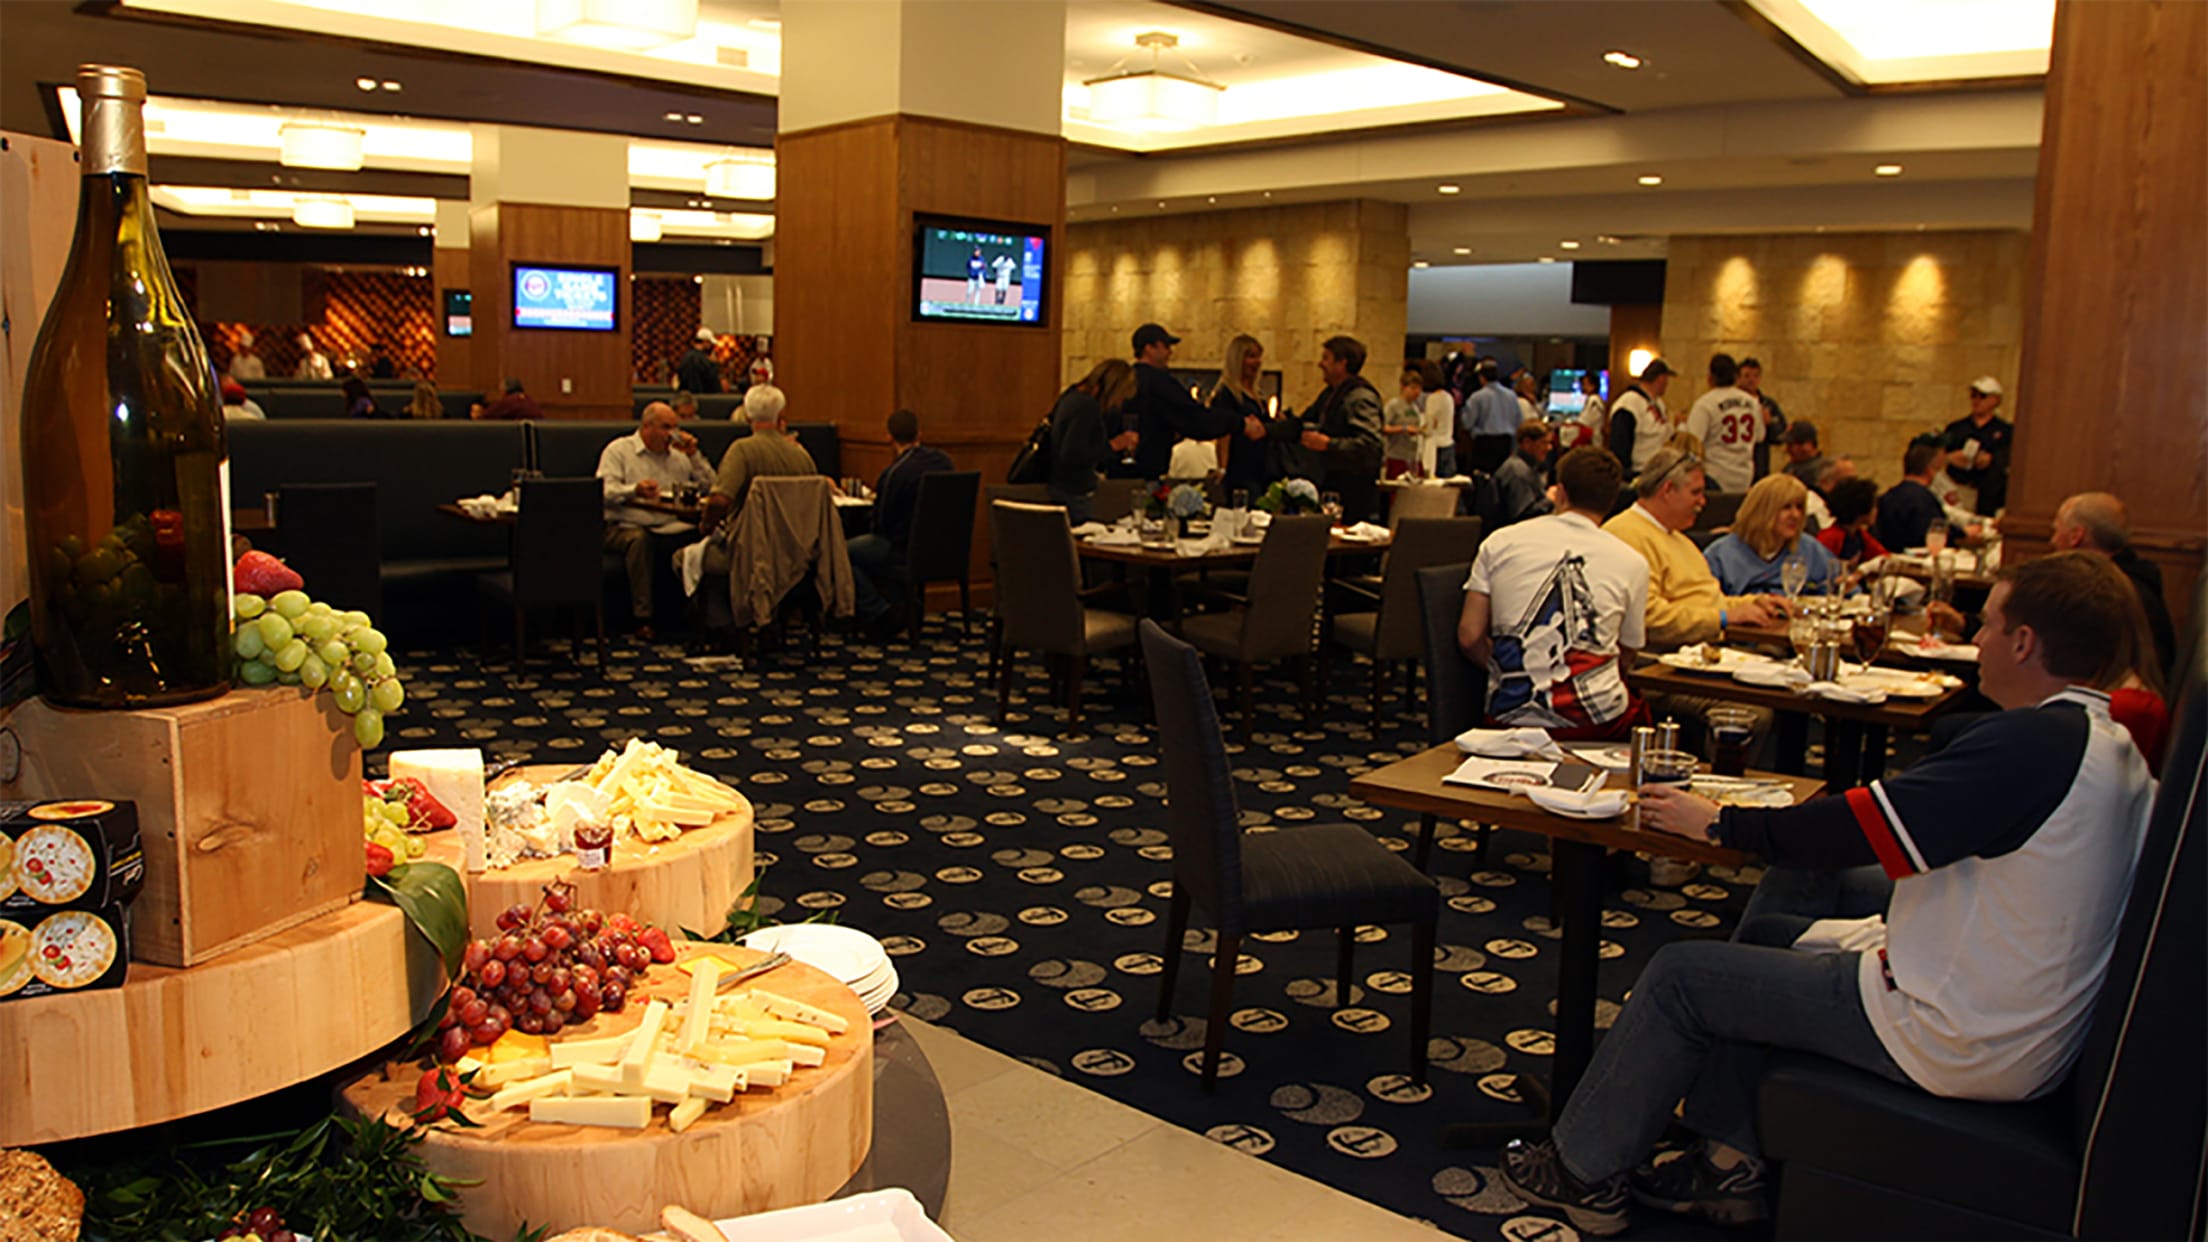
1704 1016
874 565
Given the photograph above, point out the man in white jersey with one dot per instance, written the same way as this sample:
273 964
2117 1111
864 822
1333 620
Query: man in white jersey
1639 424
1729 422
1946 928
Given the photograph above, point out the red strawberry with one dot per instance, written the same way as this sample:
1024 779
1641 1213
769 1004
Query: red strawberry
656 942
258 573
423 811
439 1093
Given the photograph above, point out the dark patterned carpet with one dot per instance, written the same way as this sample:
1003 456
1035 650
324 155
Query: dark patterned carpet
1019 874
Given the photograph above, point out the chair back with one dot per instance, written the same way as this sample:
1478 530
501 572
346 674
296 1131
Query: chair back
786 533
1115 498
2140 1080
1718 510
1021 493
1035 549
1418 544
1284 588
1200 814
330 536
941 541
1419 501
1456 686
557 539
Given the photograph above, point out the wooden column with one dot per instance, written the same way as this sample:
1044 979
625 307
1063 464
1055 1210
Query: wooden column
2114 391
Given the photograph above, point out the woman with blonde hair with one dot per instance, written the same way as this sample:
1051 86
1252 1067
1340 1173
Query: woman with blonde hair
1251 464
1079 444
425 403
1767 532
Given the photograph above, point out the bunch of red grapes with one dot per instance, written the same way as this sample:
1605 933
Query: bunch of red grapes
550 966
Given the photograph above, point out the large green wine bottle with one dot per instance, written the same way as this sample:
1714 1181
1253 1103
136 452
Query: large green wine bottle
125 476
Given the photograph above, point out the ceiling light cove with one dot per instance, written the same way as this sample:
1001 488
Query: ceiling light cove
1891 41
645 226
1154 100
628 25
1621 60
321 211
305 144
741 174
1568 245
1461 250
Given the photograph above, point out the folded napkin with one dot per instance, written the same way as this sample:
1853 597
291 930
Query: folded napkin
1089 529
1784 676
1843 694
1365 532
1510 744
1261 519
1597 804
1116 537
691 561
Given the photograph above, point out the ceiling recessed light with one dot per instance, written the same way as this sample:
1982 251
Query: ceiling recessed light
390 85
1652 179
1569 245
366 84
1621 60
1887 170
1449 189
1161 202
1212 198
1461 250
1420 263
423 231
695 119
674 116
1606 239
1548 258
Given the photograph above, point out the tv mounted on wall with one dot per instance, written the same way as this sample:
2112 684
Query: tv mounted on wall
566 297
459 312
980 271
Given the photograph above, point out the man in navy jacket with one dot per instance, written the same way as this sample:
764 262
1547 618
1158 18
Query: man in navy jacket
877 554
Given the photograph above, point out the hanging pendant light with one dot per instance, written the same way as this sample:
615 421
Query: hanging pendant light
321 211
1154 99
645 226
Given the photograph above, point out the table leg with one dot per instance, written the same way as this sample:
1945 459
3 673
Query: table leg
1843 754
1577 875
1793 730
1872 763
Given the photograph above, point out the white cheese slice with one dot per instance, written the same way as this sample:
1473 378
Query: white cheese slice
639 1054
685 1113
798 1011
698 1022
530 1089
606 1078
631 1112
589 1051
455 778
665 1081
767 1073
806 1054
503 1073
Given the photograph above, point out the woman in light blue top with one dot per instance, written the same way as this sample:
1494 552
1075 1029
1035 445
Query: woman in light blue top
1766 532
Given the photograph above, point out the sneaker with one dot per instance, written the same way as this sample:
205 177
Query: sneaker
1536 1173
1671 872
1686 1183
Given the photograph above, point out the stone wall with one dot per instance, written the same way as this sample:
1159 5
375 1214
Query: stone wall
1875 337
1290 276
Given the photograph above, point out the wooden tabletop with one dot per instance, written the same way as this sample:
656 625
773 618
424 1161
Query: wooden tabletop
1170 558
505 517
1900 649
1415 784
1897 713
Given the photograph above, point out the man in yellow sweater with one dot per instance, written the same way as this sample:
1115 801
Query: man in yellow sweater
1684 602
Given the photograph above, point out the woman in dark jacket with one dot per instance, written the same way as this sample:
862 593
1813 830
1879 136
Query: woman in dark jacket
1079 444
358 404
1252 464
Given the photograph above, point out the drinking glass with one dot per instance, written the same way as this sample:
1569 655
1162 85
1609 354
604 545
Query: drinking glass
1731 729
1330 503
1871 630
1793 576
1664 767
1935 539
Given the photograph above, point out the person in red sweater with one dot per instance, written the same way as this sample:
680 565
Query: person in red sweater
1854 505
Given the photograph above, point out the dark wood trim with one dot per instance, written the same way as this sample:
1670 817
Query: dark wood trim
1957 86
976 127
1332 38
678 200
268 174
883 119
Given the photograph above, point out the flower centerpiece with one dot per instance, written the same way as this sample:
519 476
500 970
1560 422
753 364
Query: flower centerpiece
1175 500
1289 497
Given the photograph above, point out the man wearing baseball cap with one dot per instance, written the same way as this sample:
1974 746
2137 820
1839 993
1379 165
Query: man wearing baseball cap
1162 413
1978 446
697 372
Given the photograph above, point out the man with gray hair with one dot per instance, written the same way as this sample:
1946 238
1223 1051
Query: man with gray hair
647 466
768 451
2097 522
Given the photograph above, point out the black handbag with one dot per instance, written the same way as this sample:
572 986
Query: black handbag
1032 463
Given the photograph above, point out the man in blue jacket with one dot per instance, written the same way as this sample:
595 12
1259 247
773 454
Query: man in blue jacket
879 553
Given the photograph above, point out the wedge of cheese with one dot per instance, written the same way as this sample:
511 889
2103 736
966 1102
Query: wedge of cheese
628 1112
574 1052
799 1011
529 1089
455 778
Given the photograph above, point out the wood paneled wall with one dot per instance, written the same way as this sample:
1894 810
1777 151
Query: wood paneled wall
596 364
2114 391
846 347
448 269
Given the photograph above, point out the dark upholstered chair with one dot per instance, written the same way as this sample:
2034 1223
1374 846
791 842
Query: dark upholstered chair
1022 493
1456 687
1421 502
1718 511
1034 547
940 546
1273 622
1115 498
2115 1152
330 538
557 539
1392 630
1329 875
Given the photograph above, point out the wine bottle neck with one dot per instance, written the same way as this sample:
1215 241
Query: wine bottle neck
114 137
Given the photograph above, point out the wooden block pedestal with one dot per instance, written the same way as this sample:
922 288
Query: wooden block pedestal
796 1144
249 807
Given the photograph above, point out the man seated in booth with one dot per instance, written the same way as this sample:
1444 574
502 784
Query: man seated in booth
648 465
879 554
1947 928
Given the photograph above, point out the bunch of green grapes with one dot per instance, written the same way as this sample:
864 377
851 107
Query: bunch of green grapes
384 823
291 640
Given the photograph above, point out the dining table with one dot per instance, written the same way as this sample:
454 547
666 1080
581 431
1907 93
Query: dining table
1416 784
1166 561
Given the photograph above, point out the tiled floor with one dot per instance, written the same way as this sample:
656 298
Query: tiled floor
1034 1156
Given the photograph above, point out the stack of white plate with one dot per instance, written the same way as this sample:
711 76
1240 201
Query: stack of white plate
850 955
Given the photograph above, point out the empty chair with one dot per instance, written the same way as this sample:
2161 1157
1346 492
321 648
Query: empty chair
331 538
1273 622
557 538
1026 494
1034 547
940 546
1418 501
1330 875
1392 630
1456 686
1115 498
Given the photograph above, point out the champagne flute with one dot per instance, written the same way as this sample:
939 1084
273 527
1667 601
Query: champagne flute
1793 576
1935 538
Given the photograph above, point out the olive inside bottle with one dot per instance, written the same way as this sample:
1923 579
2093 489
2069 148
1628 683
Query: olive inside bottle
125 471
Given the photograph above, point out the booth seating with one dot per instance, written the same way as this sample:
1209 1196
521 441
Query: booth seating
311 400
565 449
712 406
2114 1152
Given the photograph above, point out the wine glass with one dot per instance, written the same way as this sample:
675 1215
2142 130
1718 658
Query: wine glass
1935 538
1330 503
1793 576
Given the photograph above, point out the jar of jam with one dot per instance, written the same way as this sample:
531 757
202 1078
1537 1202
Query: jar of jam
593 845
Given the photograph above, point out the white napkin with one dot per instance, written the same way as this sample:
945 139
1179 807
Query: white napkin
690 561
1598 804
1510 744
1088 529
1261 519
1115 538
1863 935
1365 532
1773 674
1842 694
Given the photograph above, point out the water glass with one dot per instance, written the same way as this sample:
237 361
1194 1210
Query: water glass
1731 730
1664 767
1330 504
1935 539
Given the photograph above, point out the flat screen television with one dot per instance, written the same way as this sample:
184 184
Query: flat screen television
566 298
459 312
1564 395
980 271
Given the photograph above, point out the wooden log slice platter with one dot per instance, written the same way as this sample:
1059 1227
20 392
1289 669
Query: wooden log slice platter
170 1042
769 1148
687 883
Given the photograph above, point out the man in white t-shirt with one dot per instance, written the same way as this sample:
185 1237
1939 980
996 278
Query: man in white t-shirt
1554 605
1639 423
1948 928
1728 420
